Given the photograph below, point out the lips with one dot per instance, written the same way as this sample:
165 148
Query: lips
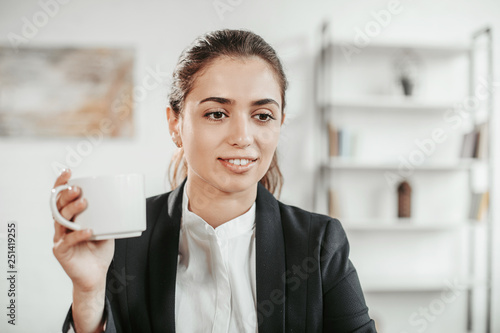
239 161
238 165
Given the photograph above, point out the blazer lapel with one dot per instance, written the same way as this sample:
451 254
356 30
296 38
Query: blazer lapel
163 254
270 265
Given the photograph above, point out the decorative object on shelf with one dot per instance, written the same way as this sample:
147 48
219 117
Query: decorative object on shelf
407 67
404 199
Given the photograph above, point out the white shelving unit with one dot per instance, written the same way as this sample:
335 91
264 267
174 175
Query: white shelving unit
413 261
336 163
404 225
396 103
417 284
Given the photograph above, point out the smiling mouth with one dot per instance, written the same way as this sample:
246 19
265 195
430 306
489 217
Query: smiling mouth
239 161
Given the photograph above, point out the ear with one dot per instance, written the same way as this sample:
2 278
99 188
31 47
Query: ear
283 115
173 122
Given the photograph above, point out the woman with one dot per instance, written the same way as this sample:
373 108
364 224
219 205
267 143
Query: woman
220 253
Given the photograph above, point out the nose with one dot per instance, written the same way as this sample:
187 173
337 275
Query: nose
240 132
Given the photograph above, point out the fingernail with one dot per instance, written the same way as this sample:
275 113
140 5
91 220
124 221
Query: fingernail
73 189
65 171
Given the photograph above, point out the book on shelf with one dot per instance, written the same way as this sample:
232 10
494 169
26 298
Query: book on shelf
342 141
333 205
475 143
479 206
333 143
482 145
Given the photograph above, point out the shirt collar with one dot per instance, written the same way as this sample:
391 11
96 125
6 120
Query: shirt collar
237 226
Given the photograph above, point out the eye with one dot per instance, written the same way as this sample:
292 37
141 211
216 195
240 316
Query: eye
264 117
215 115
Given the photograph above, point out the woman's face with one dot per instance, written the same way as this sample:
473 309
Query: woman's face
231 124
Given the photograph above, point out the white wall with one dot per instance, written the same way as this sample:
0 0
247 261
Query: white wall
159 30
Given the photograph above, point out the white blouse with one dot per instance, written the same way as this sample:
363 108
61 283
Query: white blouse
215 285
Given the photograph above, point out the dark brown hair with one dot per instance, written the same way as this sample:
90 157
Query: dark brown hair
204 50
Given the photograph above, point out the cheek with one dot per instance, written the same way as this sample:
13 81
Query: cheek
268 137
268 141
199 141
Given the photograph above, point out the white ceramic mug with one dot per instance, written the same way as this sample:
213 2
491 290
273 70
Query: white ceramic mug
116 206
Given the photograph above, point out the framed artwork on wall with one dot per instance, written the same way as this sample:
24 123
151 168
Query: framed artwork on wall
66 92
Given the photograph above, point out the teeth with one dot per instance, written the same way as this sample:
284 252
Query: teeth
238 161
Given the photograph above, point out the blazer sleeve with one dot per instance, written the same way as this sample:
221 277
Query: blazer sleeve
344 307
69 325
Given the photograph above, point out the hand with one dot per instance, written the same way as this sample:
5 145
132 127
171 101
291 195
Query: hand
86 262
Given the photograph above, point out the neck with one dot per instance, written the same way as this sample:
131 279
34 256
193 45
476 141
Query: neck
216 206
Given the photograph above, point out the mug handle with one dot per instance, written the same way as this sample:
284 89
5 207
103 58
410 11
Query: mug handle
55 212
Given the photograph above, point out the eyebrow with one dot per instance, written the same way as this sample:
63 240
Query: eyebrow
222 100
265 101
219 100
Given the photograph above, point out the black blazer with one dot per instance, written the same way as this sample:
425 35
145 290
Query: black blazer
305 280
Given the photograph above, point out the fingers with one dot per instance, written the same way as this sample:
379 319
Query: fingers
61 180
73 208
69 212
67 196
63 177
59 231
69 240
69 204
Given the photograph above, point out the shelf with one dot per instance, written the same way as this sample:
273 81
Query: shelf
431 48
390 103
403 224
346 163
414 284
360 105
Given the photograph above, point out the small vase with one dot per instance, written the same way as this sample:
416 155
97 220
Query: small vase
404 199
407 85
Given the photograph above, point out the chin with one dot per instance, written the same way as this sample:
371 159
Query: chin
238 185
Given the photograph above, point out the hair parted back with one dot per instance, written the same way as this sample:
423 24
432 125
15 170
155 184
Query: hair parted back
204 50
